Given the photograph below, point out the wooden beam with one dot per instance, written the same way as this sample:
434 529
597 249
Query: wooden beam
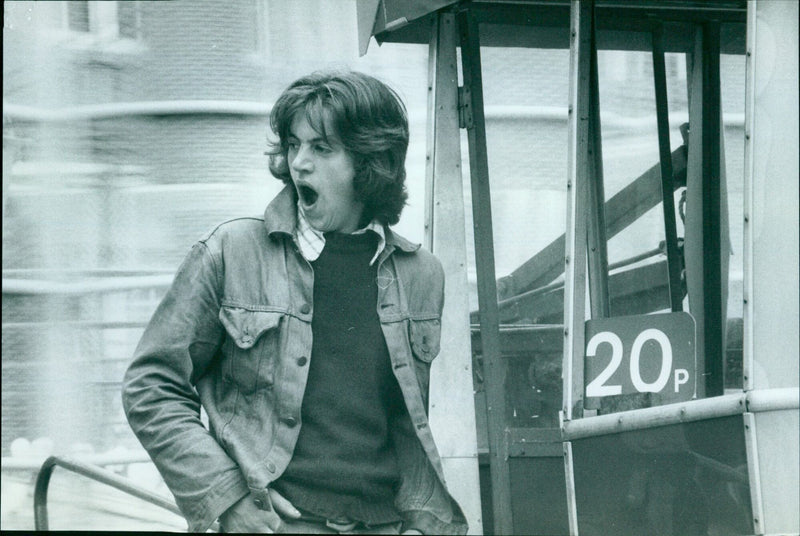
452 405
484 262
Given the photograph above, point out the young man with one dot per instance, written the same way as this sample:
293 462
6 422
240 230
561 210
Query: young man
307 336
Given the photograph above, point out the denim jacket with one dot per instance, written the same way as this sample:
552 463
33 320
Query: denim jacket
233 335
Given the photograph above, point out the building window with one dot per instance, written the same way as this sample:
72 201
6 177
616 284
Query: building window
129 19
261 28
78 16
109 19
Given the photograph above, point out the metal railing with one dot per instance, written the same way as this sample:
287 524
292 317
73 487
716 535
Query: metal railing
95 473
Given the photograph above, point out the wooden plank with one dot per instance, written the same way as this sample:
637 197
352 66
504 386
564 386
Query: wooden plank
452 408
578 175
572 372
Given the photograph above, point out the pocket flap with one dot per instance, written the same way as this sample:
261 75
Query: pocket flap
425 338
246 326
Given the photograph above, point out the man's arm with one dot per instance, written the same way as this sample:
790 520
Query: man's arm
162 405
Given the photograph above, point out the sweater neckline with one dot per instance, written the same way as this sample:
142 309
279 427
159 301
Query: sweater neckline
352 243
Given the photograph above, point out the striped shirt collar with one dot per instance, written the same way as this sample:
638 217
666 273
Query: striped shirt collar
311 241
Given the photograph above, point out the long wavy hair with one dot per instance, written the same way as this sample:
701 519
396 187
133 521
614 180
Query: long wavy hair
371 121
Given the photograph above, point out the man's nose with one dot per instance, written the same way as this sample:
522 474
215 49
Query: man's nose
302 160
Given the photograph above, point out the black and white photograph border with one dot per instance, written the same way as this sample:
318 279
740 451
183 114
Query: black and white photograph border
610 187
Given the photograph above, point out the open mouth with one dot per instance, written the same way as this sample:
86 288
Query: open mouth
307 194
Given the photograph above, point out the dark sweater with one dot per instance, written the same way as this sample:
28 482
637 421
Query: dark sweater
343 463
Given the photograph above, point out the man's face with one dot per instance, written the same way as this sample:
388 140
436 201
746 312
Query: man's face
322 172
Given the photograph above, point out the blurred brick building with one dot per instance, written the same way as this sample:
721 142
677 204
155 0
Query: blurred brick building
129 129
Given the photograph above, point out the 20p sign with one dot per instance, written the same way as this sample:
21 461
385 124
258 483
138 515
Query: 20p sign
642 354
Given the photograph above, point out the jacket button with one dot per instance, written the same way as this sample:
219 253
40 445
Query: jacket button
305 309
259 503
291 422
301 362
271 467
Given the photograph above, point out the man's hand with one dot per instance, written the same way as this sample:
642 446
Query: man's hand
245 516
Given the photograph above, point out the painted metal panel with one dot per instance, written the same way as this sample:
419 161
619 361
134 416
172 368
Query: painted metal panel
771 237
773 228
779 470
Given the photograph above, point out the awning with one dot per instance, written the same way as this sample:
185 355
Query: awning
377 16
622 25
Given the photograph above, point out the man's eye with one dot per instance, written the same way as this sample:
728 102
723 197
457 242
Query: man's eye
323 149
292 145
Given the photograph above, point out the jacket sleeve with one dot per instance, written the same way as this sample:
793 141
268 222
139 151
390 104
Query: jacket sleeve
162 405
422 498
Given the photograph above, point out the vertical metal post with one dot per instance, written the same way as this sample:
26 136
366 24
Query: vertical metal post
597 241
693 225
494 367
748 350
596 233
706 245
753 472
576 235
572 510
665 157
712 212
577 197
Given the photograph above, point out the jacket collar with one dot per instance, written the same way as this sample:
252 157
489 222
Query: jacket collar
281 217
394 240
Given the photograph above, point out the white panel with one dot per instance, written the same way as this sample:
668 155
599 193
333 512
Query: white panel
774 203
462 481
772 306
779 468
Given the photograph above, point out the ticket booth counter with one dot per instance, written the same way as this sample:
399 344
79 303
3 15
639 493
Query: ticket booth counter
628 333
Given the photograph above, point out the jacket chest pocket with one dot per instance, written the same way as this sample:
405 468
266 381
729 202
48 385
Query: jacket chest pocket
425 338
251 347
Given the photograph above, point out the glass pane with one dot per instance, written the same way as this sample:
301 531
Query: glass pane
682 480
526 128
638 277
732 76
